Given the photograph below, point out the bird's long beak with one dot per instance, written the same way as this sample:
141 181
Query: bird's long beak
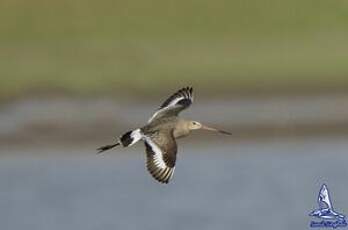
216 130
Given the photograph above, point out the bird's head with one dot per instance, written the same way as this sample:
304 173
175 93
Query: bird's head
194 125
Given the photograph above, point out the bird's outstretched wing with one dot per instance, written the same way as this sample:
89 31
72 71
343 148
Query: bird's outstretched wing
177 102
161 151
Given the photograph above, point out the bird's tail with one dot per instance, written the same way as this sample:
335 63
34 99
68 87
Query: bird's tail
131 137
127 139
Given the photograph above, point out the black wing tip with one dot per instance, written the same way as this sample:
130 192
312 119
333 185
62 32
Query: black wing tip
160 175
187 92
161 181
157 177
187 88
164 182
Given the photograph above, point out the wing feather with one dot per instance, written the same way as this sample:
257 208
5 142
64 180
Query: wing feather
177 102
161 156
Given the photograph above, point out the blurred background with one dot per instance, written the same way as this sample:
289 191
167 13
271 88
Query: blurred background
76 74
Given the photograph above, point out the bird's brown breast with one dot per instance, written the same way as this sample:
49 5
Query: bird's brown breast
181 130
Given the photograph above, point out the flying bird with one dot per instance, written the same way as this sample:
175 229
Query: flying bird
160 133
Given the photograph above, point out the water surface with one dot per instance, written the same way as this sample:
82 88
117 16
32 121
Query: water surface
248 185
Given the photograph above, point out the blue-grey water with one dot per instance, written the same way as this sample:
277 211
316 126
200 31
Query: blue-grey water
247 185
